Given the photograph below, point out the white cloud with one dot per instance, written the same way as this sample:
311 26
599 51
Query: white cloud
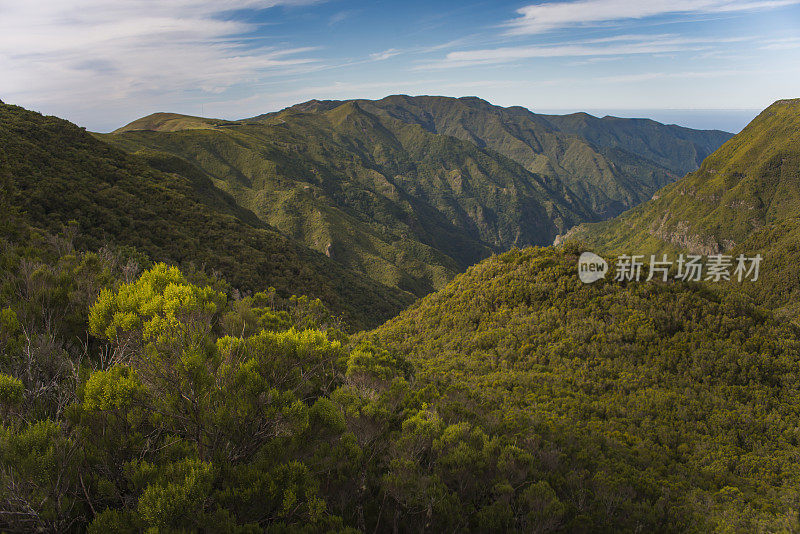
782 44
538 18
386 54
95 52
341 16
612 46
650 76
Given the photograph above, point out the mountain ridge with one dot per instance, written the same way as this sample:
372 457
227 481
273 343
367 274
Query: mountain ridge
743 199
378 185
170 211
391 181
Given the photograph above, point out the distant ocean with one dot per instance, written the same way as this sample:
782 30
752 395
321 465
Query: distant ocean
729 120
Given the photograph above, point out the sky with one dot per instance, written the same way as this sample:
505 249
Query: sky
102 64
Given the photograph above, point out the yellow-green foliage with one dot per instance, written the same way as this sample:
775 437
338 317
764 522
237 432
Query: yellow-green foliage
174 496
115 389
297 359
11 390
39 461
367 360
158 305
620 389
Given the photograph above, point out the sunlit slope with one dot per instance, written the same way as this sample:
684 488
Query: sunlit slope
652 407
745 198
59 173
405 206
611 163
411 190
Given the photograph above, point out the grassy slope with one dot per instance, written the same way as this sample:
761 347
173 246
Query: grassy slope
610 163
647 403
744 199
60 173
411 190
407 207
170 122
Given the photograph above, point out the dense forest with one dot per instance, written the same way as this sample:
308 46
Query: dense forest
60 175
515 399
171 362
647 407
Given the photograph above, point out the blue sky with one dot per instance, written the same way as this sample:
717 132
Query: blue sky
102 64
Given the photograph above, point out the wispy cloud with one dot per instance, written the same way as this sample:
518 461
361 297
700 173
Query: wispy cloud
102 63
539 18
650 76
782 44
386 54
340 16
612 46
89 52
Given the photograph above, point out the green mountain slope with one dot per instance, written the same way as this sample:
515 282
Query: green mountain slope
744 199
170 122
679 149
649 407
407 207
411 190
611 163
59 173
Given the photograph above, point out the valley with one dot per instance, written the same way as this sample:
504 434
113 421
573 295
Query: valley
348 316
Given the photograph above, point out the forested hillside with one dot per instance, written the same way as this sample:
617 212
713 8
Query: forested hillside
412 190
646 407
58 174
405 206
166 367
516 399
743 199
611 163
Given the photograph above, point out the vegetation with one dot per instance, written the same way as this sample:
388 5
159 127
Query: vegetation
516 399
179 408
58 174
612 164
645 407
411 191
743 199
160 373
407 207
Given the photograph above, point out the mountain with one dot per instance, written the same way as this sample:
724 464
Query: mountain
648 407
59 173
138 396
407 207
744 199
612 163
412 190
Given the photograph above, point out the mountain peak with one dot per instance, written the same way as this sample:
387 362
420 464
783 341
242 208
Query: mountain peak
786 102
169 122
315 106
